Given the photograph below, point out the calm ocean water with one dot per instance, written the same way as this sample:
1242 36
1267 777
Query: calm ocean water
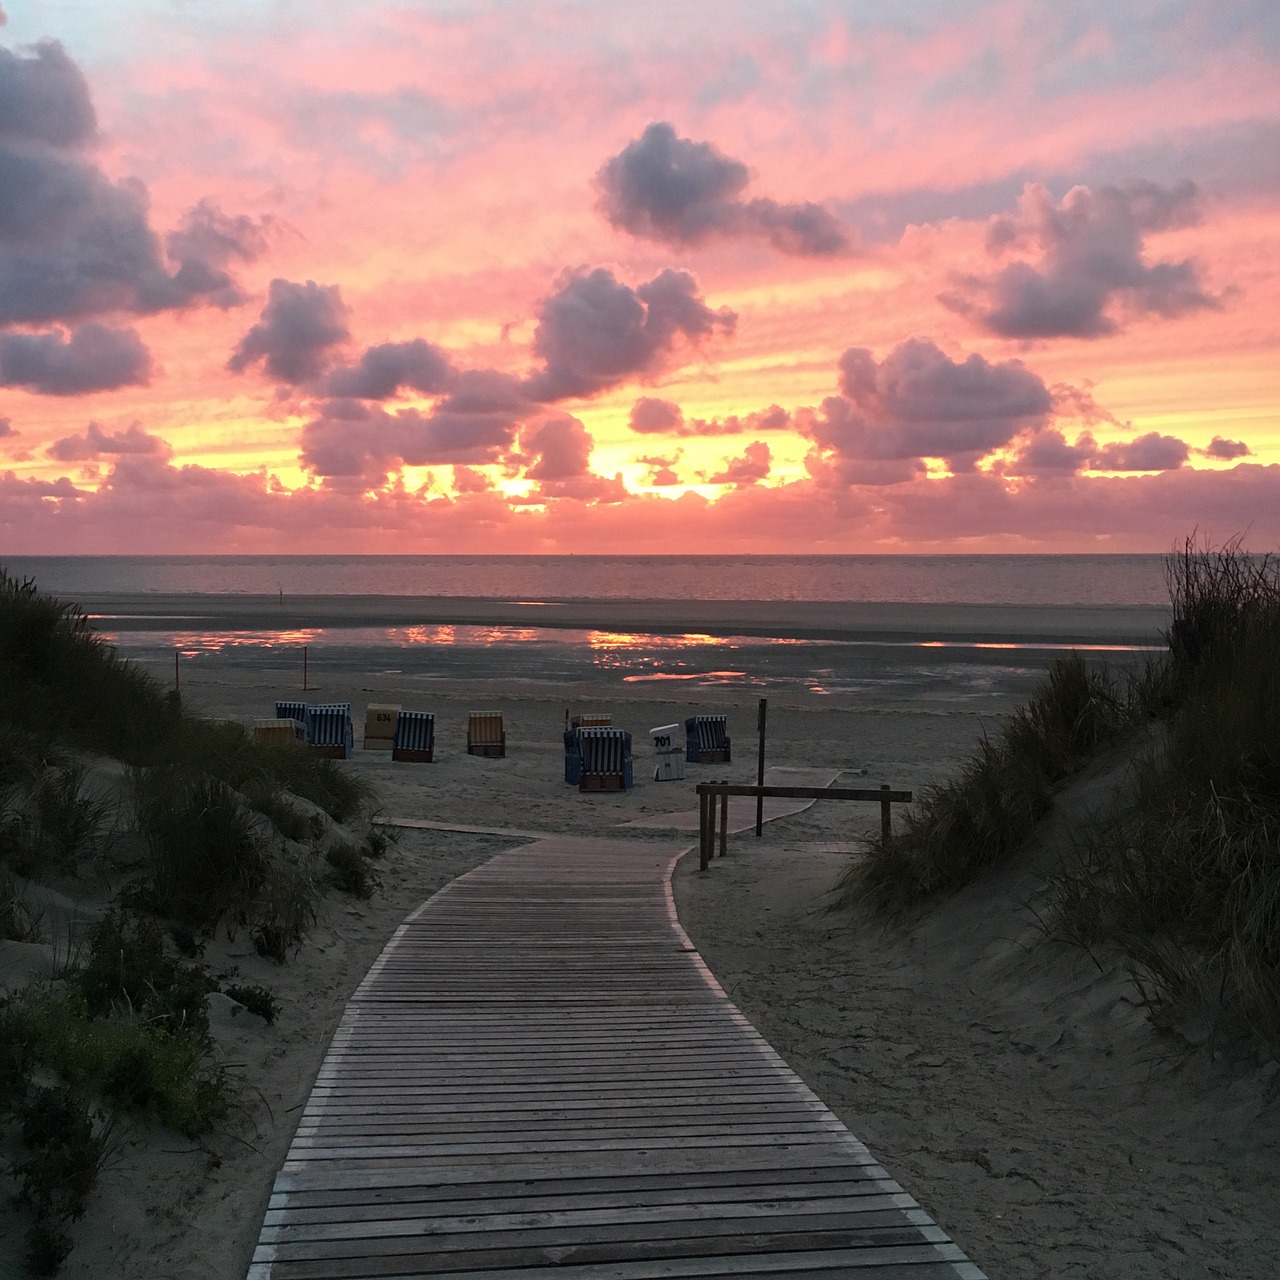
925 671
955 579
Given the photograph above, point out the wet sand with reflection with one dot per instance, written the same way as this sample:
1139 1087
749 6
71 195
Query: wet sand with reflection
1112 625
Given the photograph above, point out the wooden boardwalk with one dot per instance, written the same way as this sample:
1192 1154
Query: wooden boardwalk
539 1074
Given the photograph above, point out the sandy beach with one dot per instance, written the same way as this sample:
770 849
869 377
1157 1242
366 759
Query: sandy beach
1012 1084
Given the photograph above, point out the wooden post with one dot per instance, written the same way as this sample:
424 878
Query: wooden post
304 668
704 836
886 830
177 672
724 823
764 714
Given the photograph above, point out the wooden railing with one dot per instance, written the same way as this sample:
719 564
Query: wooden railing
709 791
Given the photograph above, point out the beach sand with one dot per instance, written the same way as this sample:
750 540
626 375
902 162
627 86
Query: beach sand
1015 1087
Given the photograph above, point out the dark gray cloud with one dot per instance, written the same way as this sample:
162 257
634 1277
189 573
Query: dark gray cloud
1151 452
595 332
7 428
1047 453
73 243
754 465
383 370
94 358
652 416
1225 450
294 339
45 98
1091 263
918 403
475 424
206 243
97 443
664 187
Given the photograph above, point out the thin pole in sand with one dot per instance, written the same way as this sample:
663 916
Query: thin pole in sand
304 668
705 812
177 672
724 822
764 715
886 821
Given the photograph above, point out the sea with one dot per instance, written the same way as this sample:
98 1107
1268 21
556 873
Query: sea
920 667
1083 580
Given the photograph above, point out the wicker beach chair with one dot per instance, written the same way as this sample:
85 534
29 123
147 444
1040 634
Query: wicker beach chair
485 734
707 740
380 726
592 720
415 738
280 732
296 711
606 760
329 730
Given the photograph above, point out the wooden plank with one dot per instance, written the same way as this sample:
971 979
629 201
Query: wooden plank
803 793
541 1072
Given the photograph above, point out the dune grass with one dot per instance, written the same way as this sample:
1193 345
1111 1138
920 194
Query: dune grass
1182 878
228 842
976 821
62 688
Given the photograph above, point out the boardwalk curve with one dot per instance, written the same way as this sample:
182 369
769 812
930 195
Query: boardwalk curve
539 1073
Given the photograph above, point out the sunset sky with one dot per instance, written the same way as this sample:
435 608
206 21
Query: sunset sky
544 275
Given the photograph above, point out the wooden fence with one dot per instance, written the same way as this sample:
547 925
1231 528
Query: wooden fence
709 791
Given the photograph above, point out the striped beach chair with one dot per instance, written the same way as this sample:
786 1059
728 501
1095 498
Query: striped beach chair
707 740
572 758
606 760
485 734
296 711
415 738
329 730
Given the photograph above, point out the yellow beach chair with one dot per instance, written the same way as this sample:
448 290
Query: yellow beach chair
485 734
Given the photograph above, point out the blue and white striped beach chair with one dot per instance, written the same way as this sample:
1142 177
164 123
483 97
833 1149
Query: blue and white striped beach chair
707 740
606 760
329 730
572 758
415 738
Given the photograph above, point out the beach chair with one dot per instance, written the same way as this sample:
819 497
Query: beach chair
280 732
296 711
669 764
329 730
592 720
707 740
380 726
415 738
572 758
485 734
606 760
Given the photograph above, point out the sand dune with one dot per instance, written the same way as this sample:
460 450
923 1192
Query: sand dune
1014 1087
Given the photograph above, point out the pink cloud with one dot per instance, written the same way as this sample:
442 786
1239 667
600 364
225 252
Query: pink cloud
753 466
1091 264
145 498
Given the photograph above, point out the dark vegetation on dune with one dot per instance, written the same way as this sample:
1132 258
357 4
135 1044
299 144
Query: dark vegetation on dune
103 771
1181 877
